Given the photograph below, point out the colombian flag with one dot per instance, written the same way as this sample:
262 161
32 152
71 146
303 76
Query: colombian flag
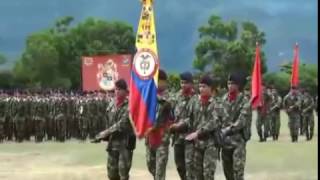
144 73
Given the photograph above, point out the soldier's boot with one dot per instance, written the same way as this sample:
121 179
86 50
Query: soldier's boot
265 136
274 137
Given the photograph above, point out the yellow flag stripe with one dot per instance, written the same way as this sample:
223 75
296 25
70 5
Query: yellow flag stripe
146 34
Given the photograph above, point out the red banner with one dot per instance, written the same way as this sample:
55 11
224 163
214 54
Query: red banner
295 67
101 72
256 81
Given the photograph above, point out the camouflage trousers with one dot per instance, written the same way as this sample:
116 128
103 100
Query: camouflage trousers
157 160
39 129
275 125
2 132
183 158
302 126
205 162
119 164
61 128
294 125
233 162
19 125
263 126
308 121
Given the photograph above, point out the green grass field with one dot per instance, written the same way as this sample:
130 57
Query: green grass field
74 160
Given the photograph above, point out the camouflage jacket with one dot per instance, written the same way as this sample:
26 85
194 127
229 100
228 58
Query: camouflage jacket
182 111
276 102
205 120
307 104
2 107
235 116
121 131
292 103
264 110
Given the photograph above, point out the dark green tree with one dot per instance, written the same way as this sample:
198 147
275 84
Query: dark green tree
52 58
223 47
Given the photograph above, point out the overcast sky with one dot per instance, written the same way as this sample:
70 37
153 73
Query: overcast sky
284 22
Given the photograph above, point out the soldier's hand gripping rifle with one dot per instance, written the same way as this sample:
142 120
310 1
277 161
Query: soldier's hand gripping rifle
102 136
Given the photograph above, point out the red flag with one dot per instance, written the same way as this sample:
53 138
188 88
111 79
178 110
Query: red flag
256 81
295 67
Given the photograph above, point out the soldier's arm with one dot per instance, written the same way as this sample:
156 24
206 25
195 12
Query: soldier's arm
310 106
187 121
240 122
212 123
122 124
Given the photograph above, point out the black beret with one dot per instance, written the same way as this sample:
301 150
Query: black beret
209 81
239 78
186 76
162 75
121 84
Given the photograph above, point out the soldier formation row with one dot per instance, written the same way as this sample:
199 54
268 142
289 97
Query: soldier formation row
298 104
60 116
55 117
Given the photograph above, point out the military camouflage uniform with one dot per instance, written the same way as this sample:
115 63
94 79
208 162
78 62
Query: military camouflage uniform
264 118
60 120
307 114
39 120
275 115
9 123
236 128
19 119
157 157
2 118
121 143
292 104
206 151
302 127
183 150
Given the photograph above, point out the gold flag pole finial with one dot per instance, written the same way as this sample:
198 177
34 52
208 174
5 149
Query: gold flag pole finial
146 1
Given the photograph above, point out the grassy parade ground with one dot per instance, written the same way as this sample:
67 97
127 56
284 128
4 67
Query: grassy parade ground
73 160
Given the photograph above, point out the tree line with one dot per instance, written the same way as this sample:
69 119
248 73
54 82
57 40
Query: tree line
52 57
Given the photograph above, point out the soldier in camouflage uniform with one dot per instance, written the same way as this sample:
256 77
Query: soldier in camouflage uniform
275 108
2 116
302 127
50 118
9 124
157 153
263 119
60 119
292 105
307 114
183 150
19 119
85 121
39 119
120 136
203 126
28 116
235 126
